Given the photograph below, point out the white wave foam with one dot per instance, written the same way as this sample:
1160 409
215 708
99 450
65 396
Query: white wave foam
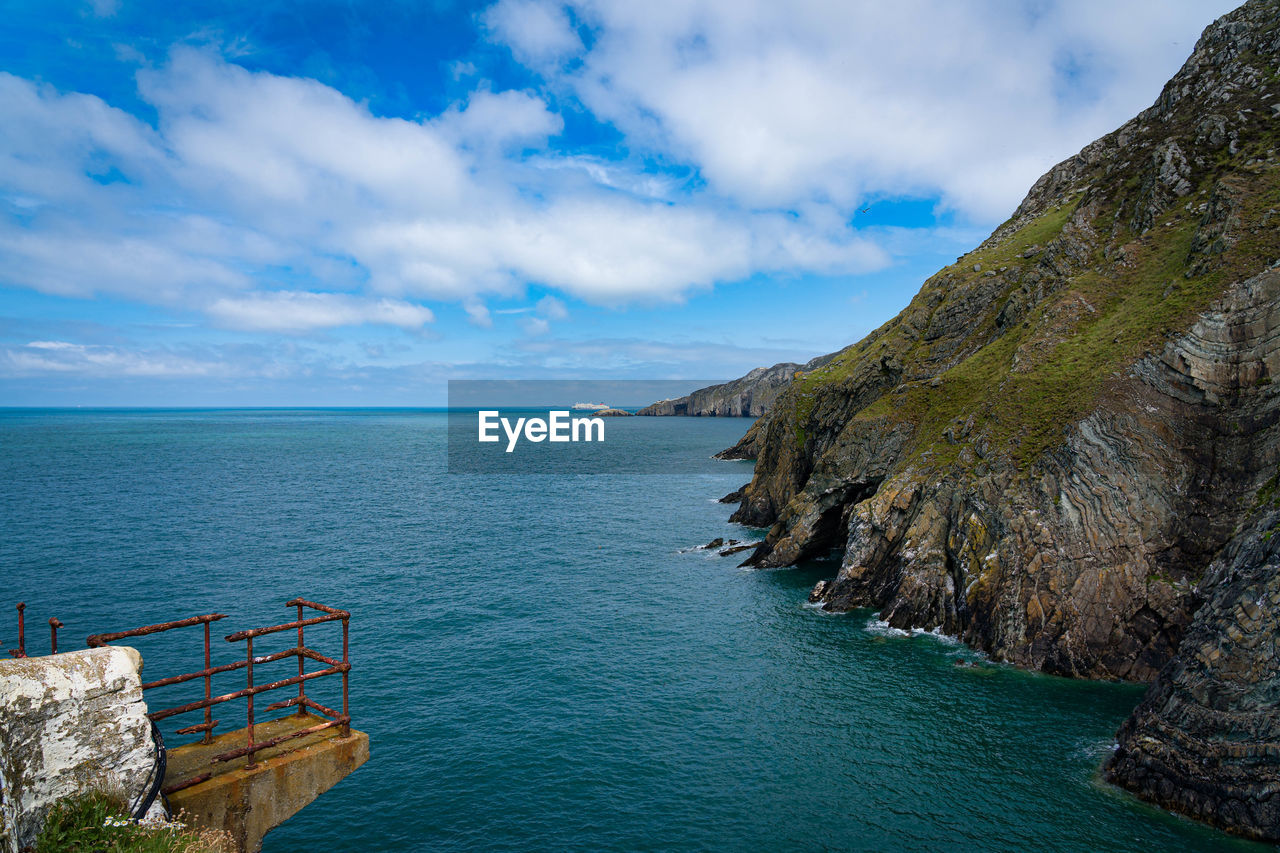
876 625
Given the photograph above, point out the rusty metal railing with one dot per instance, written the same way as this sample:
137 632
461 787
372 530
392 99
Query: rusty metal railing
302 702
207 673
21 651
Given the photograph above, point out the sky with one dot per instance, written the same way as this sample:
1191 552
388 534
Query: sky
349 203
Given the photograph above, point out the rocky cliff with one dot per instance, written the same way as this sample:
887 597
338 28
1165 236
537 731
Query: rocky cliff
1206 738
1045 452
747 397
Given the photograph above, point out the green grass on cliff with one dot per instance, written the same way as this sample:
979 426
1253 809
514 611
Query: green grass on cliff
1021 390
97 823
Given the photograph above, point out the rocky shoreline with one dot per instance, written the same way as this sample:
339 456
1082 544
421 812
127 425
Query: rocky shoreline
1065 450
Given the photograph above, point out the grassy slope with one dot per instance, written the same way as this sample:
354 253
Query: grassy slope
1097 322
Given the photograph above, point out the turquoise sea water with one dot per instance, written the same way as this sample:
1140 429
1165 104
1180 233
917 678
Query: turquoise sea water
539 663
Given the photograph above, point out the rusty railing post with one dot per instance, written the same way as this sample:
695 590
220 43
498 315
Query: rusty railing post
302 692
21 650
346 667
54 624
208 689
249 729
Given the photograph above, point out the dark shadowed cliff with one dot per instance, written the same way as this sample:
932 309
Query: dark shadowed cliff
1057 450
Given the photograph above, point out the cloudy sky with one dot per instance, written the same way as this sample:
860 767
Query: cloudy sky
346 203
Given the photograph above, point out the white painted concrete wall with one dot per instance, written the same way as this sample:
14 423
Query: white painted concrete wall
69 723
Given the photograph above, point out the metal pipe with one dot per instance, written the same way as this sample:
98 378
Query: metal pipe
252 688
220 668
275 629
102 639
346 668
248 691
21 650
194 780
208 689
302 692
249 753
54 624
314 606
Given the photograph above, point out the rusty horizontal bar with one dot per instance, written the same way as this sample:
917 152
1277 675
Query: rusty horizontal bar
247 691
319 658
214 670
287 626
321 607
267 744
285 703
186 783
306 703
316 706
95 640
199 727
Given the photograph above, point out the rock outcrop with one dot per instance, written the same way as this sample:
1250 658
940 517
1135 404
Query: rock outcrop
747 397
69 724
1206 738
1047 449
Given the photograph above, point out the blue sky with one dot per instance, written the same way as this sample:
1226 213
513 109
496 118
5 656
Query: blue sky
348 203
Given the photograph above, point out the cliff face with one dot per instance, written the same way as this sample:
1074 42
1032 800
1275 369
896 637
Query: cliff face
1206 738
1046 450
748 397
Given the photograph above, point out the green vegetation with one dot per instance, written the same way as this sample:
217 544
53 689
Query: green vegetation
98 823
1021 386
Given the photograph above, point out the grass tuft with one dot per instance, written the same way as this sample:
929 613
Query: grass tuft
99 823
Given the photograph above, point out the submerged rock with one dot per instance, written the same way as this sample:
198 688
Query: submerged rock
736 548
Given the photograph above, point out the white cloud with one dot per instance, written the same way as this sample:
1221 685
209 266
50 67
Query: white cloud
699 359
291 142
538 32
286 311
501 119
750 132
779 104
552 308
478 314
104 8
41 357
255 181
535 326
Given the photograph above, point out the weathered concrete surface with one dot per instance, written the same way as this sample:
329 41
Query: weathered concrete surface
69 723
248 803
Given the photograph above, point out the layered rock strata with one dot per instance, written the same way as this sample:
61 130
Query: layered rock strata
1045 452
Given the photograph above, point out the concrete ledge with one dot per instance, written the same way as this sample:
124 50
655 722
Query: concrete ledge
248 803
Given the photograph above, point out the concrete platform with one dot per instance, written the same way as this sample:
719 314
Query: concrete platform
248 803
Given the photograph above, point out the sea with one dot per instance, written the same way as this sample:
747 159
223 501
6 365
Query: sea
546 662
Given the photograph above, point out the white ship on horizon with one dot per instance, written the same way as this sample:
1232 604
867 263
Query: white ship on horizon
590 407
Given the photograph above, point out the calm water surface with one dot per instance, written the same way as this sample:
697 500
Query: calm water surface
539 663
